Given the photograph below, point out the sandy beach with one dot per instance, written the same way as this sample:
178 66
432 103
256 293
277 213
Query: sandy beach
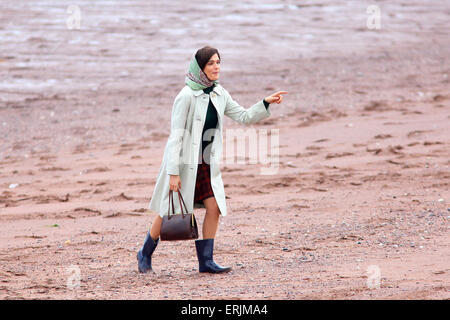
359 205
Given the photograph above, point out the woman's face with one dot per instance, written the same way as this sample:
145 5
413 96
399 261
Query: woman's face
212 68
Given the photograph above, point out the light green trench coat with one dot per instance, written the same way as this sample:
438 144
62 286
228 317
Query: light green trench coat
183 148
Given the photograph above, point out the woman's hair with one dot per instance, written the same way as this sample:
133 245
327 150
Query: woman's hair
204 54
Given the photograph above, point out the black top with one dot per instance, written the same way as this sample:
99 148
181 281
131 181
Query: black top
211 119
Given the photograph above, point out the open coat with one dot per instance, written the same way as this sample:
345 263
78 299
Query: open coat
183 149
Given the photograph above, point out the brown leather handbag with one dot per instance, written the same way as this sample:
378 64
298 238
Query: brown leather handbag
178 226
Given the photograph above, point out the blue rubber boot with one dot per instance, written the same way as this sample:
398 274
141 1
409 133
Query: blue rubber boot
206 263
144 256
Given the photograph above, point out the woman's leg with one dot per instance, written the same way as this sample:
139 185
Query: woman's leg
156 227
205 247
211 221
144 255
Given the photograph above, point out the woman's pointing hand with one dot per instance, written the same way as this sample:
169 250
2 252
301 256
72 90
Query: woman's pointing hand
276 97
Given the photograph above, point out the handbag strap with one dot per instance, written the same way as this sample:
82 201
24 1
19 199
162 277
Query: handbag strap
180 198
173 208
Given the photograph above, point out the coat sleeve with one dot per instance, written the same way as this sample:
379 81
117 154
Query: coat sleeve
244 116
180 111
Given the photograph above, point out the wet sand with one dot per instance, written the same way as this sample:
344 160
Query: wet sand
359 207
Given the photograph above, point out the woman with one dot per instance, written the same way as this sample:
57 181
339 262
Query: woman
197 116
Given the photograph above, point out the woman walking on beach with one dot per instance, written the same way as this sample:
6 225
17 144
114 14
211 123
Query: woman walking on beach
190 163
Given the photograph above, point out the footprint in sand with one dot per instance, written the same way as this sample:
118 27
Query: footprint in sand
82 212
313 147
388 150
98 169
416 133
311 118
439 98
158 136
378 106
338 155
120 197
382 136
431 143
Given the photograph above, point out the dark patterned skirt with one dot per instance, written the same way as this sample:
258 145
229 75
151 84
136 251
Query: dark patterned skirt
203 189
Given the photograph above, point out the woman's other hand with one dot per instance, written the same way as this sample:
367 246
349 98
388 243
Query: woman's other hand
174 183
276 97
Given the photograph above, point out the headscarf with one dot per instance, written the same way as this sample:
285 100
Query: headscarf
196 78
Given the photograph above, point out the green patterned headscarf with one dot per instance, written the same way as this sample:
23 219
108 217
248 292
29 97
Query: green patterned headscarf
196 78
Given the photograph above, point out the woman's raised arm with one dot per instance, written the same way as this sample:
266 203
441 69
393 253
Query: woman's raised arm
253 114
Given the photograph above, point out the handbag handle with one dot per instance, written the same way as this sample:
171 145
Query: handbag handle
180 198
168 209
